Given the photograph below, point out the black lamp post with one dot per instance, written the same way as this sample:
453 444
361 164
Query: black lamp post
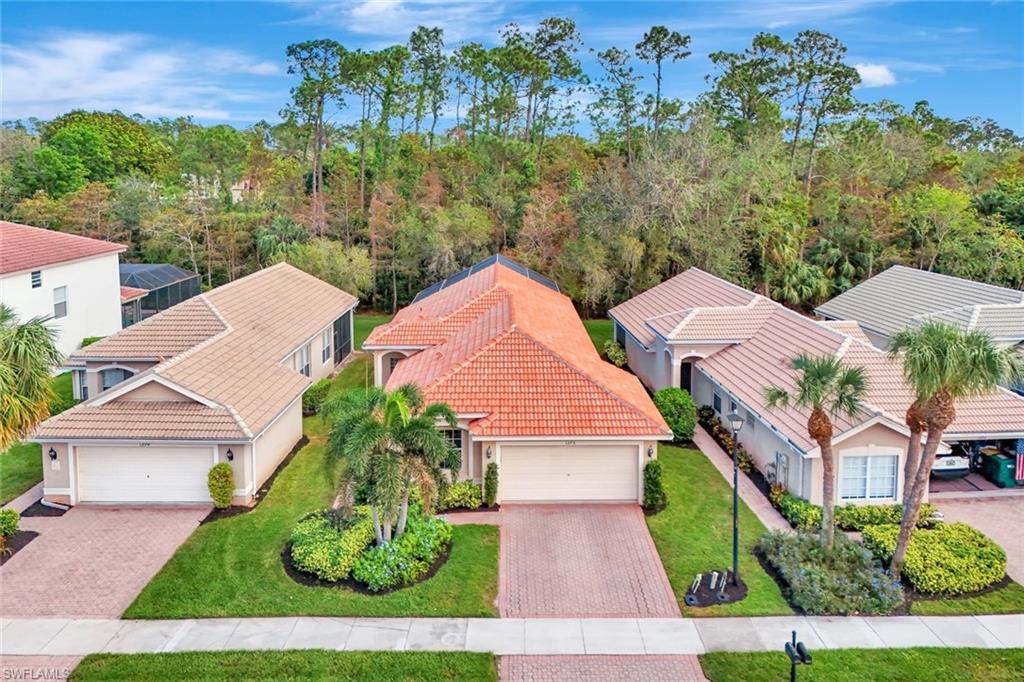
736 423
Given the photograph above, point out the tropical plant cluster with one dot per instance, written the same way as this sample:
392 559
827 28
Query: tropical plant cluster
396 166
843 580
721 434
946 559
328 543
461 495
678 410
407 559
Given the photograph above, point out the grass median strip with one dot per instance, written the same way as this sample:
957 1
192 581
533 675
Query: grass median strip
354 666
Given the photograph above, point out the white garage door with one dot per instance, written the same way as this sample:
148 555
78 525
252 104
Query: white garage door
564 473
143 474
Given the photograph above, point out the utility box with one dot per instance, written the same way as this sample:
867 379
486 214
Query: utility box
1001 470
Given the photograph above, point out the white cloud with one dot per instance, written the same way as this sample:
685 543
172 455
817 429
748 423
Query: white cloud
133 73
875 75
394 20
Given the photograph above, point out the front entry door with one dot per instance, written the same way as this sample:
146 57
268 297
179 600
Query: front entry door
686 377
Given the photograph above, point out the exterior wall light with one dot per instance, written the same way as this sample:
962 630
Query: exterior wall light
489 452
650 452
231 455
53 454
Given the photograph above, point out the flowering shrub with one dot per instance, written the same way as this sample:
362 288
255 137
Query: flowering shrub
845 581
405 560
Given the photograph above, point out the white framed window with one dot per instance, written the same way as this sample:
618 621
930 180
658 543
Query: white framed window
304 353
112 377
325 344
454 438
60 302
717 403
734 407
393 362
869 477
37 279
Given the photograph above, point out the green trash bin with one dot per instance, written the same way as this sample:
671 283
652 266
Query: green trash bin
1001 470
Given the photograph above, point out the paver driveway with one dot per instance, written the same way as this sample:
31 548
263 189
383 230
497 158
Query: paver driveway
1000 518
92 561
580 560
600 669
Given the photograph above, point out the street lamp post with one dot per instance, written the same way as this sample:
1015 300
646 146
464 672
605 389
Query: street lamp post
736 422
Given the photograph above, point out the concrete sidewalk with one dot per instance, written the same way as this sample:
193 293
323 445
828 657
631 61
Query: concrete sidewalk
504 636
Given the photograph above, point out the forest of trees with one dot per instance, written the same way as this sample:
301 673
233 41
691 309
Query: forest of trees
393 168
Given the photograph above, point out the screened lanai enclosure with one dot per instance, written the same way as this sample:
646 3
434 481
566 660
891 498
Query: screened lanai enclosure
165 285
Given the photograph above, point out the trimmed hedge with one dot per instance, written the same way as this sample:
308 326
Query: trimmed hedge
313 398
679 411
615 353
462 495
803 515
220 481
407 559
491 484
655 498
328 545
845 581
9 520
949 559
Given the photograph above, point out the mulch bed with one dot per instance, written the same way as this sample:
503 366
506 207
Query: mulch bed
705 596
238 509
464 510
16 542
310 580
40 509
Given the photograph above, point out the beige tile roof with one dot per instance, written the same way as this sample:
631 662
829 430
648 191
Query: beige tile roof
684 292
503 344
1003 322
150 420
762 359
228 345
720 323
848 327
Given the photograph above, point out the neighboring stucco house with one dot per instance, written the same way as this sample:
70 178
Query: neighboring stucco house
69 279
508 352
726 345
216 378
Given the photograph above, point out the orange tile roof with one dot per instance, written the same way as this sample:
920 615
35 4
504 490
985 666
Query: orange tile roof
23 247
502 344
228 345
131 293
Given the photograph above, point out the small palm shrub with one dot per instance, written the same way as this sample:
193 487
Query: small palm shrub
951 558
491 484
328 545
679 411
845 581
314 396
462 495
9 520
654 491
221 483
615 353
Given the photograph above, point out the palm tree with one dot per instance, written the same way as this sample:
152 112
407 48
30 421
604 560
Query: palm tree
28 356
391 443
941 363
827 387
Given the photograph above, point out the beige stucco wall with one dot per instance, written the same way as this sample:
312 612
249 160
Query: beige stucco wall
274 444
382 364
153 391
56 479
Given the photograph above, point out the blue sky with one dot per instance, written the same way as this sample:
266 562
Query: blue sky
224 61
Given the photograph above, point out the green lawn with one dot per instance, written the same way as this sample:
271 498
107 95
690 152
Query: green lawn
1009 599
232 567
355 666
694 535
600 331
358 373
364 324
860 665
21 466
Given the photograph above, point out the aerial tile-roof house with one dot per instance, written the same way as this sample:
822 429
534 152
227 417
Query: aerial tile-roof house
503 347
726 344
69 279
148 288
216 378
903 297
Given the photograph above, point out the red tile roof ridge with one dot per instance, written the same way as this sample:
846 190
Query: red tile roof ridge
477 352
447 318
